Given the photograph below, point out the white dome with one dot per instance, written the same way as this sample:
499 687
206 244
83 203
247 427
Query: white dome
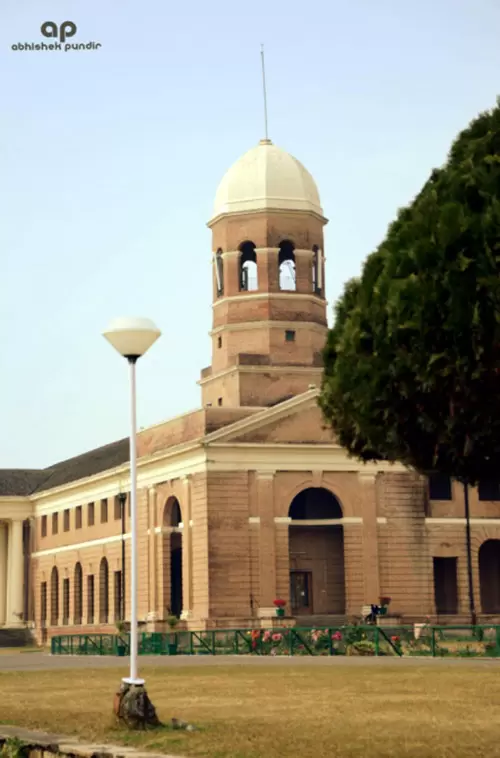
266 177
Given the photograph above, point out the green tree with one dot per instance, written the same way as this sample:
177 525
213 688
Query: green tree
412 364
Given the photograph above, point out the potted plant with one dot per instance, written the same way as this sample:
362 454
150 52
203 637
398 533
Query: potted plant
384 605
121 644
280 607
172 622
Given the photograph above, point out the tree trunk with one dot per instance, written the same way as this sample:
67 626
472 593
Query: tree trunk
472 605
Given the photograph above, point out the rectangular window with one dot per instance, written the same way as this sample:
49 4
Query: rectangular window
118 595
104 511
66 520
65 619
44 526
219 401
439 487
219 342
55 523
78 517
489 490
90 514
445 585
289 335
117 508
90 599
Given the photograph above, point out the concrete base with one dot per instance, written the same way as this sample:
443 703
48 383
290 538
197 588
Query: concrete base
389 621
16 637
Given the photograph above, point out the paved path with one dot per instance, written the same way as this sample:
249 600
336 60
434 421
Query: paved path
43 662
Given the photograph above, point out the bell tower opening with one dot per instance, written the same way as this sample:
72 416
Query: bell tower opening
269 309
286 262
248 267
219 273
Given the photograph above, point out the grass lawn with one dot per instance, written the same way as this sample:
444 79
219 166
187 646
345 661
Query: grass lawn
264 712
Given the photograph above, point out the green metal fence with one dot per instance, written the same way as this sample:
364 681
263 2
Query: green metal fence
417 640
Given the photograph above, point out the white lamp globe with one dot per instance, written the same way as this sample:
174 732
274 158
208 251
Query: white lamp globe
132 337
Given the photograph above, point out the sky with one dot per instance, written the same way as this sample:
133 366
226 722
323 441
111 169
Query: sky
110 159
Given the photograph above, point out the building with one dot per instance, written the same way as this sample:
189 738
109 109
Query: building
249 498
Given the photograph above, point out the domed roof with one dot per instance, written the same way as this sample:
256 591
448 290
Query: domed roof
266 177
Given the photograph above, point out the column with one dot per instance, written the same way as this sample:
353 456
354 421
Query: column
15 599
3 573
267 544
152 561
371 581
187 551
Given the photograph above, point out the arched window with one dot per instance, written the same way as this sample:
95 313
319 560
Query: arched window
104 592
315 503
248 267
219 272
172 557
54 597
286 263
78 597
317 270
172 512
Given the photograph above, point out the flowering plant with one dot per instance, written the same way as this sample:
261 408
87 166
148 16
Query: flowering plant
384 600
278 603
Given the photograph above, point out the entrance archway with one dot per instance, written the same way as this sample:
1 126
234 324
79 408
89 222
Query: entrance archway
489 576
172 558
316 553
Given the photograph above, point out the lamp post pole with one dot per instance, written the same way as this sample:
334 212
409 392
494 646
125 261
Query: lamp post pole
132 360
132 337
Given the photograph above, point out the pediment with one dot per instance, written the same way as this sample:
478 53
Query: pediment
295 421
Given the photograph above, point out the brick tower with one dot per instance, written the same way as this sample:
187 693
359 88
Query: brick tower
269 307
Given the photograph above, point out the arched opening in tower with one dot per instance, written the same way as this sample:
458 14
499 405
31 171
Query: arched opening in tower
219 272
317 271
286 264
248 267
316 553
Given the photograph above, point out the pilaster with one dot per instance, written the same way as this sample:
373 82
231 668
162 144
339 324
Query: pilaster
187 550
371 584
152 559
3 573
15 572
267 542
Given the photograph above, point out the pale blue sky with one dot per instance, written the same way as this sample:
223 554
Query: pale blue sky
109 162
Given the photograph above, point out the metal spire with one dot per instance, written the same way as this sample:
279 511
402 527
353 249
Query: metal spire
264 89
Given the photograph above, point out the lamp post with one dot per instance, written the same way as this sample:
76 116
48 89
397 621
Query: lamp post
132 337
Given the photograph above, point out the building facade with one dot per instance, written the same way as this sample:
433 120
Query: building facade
248 499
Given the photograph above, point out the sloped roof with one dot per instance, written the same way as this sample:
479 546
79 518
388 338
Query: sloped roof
24 482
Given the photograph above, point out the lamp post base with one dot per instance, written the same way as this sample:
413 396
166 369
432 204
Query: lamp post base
133 707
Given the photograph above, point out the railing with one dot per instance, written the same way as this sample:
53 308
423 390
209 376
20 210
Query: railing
417 640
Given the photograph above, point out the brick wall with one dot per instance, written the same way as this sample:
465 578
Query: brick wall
229 544
404 561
